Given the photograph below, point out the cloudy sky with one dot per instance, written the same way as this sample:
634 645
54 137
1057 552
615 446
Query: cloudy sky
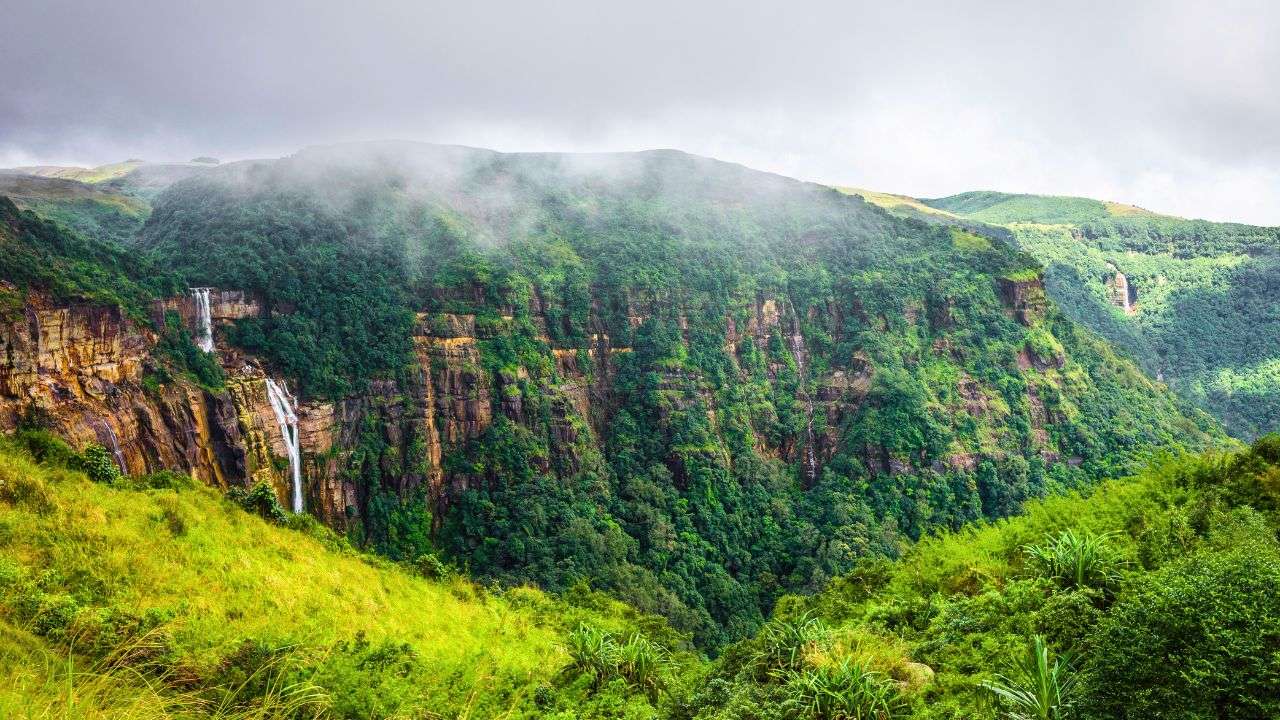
1174 106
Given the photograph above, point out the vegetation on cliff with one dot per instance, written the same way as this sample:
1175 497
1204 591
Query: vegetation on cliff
1203 315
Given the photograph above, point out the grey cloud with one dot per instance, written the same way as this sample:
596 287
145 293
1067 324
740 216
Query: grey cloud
1170 105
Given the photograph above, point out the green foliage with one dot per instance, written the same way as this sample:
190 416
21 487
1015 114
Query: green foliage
98 463
1186 626
1196 639
152 603
37 254
601 656
1076 561
176 347
1204 293
1037 688
261 500
843 690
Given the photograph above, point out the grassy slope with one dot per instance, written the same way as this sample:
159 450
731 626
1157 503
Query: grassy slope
101 173
97 211
80 562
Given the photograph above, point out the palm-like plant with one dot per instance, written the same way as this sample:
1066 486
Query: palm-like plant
845 690
600 656
1076 560
644 664
592 652
1038 688
782 644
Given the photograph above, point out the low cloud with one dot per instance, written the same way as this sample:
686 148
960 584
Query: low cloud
1167 105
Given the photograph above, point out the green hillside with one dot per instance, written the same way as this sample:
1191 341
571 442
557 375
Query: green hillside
904 376
91 210
152 598
1149 597
1203 317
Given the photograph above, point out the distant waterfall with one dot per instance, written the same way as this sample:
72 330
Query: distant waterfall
283 405
1122 289
810 452
205 317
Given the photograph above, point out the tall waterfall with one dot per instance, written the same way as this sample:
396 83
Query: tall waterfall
810 452
283 405
205 318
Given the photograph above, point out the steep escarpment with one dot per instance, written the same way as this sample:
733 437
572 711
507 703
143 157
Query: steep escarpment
691 383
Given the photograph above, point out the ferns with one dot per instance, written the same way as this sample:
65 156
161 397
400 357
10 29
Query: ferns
1077 561
1039 689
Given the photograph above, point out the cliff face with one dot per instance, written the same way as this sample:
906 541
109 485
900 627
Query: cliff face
82 368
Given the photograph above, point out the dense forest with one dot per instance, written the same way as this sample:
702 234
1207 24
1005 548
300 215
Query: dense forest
1203 317
792 380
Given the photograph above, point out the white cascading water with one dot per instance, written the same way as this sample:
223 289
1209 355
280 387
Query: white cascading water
115 445
205 317
283 405
1122 289
810 454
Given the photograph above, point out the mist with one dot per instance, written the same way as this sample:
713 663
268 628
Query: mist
1169 105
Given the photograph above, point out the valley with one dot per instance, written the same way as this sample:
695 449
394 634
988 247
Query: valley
752 433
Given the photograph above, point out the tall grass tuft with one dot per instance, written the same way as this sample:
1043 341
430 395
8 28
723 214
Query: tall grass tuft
599 655
843 690
1038 687
1077 561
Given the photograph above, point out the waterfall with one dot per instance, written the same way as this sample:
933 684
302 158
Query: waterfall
115 445
283 405
204 317
1122 289
810 453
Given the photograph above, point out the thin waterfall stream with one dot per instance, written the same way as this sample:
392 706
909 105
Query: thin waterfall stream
810 454
284 406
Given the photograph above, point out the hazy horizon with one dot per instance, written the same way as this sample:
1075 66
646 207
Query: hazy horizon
1168 106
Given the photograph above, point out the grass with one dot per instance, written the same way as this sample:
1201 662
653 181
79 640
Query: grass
902 204
89 570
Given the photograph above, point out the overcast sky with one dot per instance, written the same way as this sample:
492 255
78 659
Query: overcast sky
1174 106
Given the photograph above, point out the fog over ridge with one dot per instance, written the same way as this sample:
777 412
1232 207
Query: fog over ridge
1166 105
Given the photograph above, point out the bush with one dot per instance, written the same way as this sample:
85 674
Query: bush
844 690
1200 635
598 655
1076 561
261 500
99 464
1038 687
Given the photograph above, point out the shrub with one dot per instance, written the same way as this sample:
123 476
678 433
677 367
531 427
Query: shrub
1200 635
844 690
1038 687
99 464
783 644
598 655
261 500
1076 561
